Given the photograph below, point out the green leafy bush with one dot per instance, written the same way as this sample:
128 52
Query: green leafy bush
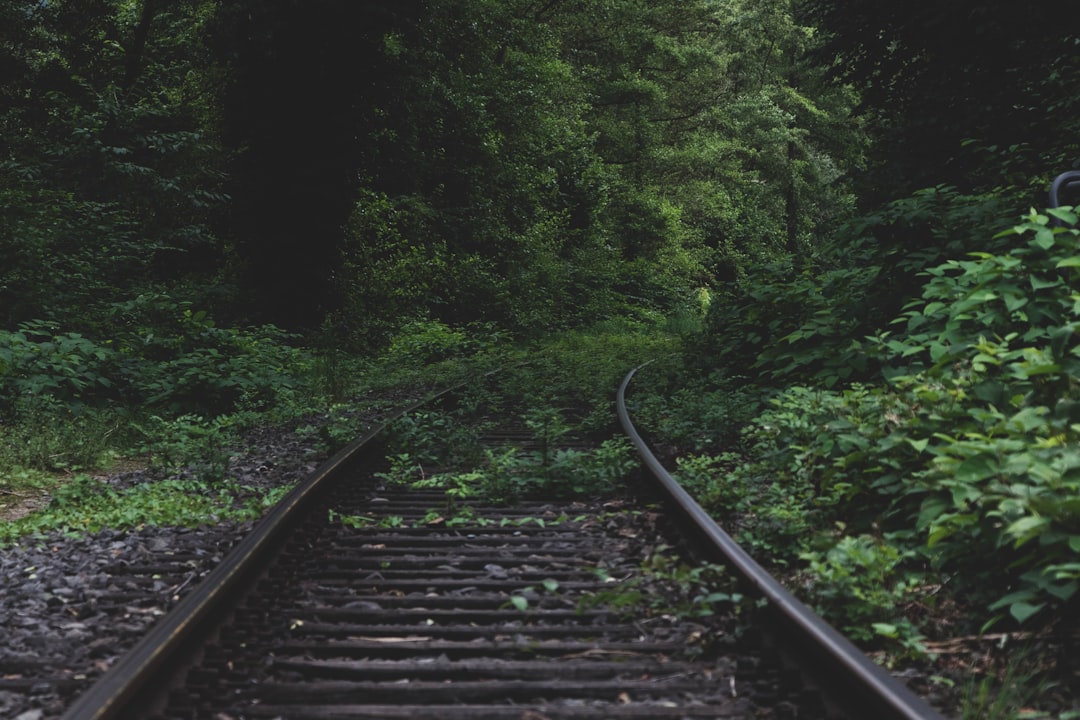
178 359
792 320
510 473
424 342
994 392
691 414
38 361
159 353
434 437
960 470
798 319
858 583
46 435
970 452
577 371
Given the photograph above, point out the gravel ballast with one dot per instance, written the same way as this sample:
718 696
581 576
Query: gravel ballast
71 605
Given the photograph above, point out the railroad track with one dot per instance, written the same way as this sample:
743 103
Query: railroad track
362 597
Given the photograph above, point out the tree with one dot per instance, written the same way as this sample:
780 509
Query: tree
479 181
108 174
977 95
301 82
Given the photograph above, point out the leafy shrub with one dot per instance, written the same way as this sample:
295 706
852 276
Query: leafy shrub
970 449
798 319
44 434
159 352
37 361
691 415
577 371
964 461
178 359
189 440
725 484
510 473
858 584
793 321
433 437
426 341
996 369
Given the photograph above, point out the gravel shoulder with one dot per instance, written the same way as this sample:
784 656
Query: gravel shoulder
71 605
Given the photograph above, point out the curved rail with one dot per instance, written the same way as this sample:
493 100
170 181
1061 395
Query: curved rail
118 690
1066 181
862 687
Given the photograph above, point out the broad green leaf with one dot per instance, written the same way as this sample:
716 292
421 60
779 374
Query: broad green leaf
1063 214
976 468
939 533
1040 284
1027 528
886 630
1064 591
1033 370
919 445
1044 238
1023 610
1015 302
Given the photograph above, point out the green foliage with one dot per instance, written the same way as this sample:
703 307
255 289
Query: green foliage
363 521
508 474
858 584
794 319
800 318
108 178
668 586
35 361
86 504
966 459
426 437
998 369
576 371
159 353
698 589
712 479
48 436
1014 692
480 181
943 115
608 161
428 342
687 407
191 441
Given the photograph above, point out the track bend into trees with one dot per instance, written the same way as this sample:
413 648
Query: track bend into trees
366 594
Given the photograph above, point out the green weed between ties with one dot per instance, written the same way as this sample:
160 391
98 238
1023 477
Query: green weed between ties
509 474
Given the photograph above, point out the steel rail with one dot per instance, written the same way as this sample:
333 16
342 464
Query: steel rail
858 685
1066 181
139 673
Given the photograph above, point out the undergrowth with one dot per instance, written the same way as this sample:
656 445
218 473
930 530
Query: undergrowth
938 495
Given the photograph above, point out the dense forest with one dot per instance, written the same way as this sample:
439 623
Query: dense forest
219 212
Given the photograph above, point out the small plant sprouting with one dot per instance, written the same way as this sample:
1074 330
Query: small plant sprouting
357 522
667 587
403 470
520 600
